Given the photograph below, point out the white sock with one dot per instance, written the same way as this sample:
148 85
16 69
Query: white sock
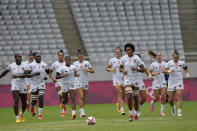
73 111
82 111
62 111
179 111
17 117
40 111
162 108
121 109
136 112
130 112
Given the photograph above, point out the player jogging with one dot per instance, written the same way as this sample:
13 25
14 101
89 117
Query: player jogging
175 82
58 82
83 68
129 66
18 87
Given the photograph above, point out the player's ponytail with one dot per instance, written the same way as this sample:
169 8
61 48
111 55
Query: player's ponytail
151 53
79 51
61 51
175 52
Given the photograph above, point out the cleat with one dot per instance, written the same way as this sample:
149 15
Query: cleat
32 111
122 112
22 118
173 112
63 114
40 117
180 114
131 118
74 116
152 106
162 114
118 107
82 115
18 120
65 110
136 117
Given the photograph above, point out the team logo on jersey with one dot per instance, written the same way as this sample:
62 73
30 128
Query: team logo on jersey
42 67
180 85
134 61
85 65
179 65
70 70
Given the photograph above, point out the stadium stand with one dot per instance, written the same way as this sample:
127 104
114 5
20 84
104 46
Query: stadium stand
28 25
104 25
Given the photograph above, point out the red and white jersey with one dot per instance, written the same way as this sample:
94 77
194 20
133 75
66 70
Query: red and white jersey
57 65
129 62
35 67
115 63
83 74
17 70
67 70
178 67
158 67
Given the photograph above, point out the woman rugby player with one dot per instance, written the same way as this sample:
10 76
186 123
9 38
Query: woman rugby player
113 66
18 86
175 82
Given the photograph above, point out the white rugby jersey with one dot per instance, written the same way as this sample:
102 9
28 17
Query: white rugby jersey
129 62
27 63
158 67
115 63
17 70
57 65
178 67
83 75
35 67
67 70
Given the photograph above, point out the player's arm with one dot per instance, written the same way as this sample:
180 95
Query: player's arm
186 71
51 75
59 76
122 69
76 75
153 74
110 69
167 71
4 73
141 69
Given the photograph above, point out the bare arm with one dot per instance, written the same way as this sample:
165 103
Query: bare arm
51 76
4 73
90 70
110 69
121 69
59 76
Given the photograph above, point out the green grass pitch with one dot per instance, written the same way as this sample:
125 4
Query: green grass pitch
107 119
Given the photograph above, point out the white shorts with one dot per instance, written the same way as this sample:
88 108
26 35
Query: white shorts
174 85
35 87
58 84
117 82
141 85
81 84
67 86
159 84
131 82
20 86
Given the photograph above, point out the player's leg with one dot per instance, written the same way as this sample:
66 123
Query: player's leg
41 93
23 98
143 96
28 97
179 94
120 100
136 101
156 98
129 92
171 101
73 100
59 92
81 101
163 100
15 96
34 98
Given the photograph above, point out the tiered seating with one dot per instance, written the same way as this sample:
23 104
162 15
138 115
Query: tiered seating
28 24
104 25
